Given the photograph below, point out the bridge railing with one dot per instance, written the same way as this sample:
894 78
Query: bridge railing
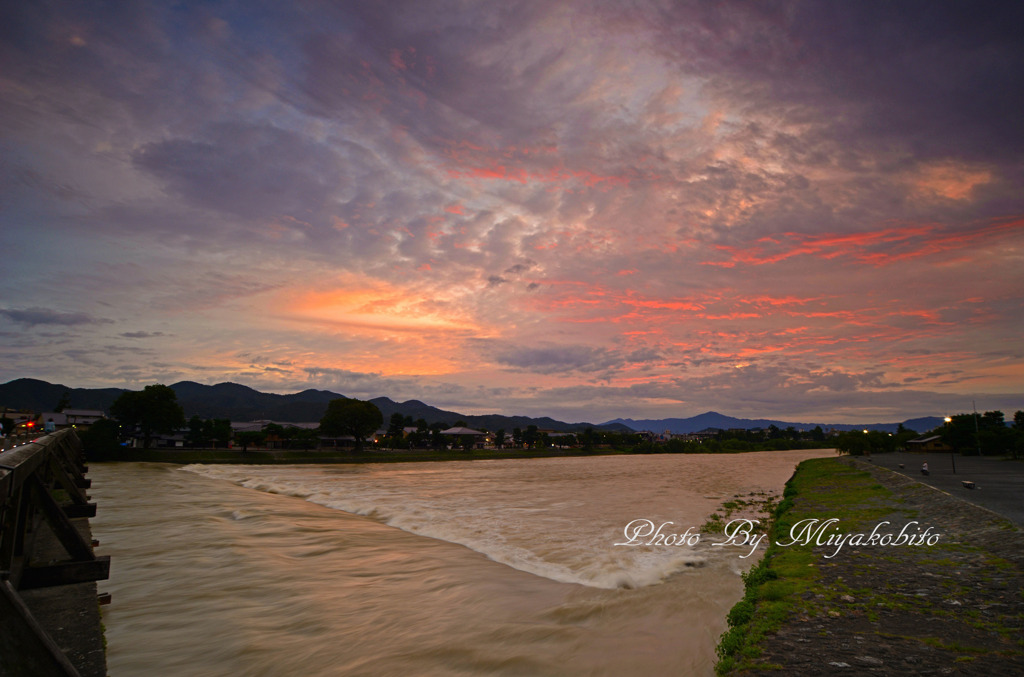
42 487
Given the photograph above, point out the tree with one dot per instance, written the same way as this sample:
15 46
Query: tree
304 438
194 437
250 437
396 425
853 443
995 437
499 438
904 435
974 433
351 417
961 433
437 440
152 410
1018 434
64 403
275 432
396 431
217 430
101 439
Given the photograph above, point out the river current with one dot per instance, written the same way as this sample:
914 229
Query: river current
506 567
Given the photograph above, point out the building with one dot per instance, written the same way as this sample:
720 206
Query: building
931 443
459 434
69 418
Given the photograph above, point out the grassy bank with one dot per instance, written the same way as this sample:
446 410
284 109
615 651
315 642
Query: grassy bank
952 606
777 588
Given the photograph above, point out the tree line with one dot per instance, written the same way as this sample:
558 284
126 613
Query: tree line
968 434
986 434
155 411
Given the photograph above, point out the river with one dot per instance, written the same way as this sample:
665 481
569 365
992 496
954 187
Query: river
505 567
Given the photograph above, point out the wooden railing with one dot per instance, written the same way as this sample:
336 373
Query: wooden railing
42 489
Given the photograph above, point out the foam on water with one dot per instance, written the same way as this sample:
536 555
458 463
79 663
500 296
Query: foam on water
554 518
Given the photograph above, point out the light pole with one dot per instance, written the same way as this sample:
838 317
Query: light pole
952 454
977 432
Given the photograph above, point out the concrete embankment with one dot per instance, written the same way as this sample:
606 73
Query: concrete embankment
945 605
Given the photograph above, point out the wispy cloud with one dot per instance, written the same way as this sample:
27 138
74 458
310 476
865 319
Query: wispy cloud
45 316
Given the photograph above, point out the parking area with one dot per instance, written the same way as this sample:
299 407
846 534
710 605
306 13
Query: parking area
998 482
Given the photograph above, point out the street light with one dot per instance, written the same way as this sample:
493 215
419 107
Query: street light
952 456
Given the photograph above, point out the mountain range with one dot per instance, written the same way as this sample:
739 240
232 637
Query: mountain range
242 403
713 419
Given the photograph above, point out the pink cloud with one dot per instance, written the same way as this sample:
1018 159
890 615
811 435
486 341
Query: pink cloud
876 248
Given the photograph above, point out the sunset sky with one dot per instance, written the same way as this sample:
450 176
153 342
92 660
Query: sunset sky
802 210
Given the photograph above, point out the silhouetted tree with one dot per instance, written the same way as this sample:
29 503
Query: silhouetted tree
351 417
153 410
217 431
102 438
961 433
194 437
249 438
64 403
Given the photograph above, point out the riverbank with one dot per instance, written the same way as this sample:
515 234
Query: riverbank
950 607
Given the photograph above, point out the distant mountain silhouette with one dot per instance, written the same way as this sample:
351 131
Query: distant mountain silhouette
242 403
713 419
39 396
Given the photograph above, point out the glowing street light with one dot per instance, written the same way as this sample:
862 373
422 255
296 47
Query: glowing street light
952 455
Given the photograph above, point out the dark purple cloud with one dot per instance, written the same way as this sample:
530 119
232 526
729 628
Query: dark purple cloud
45 316
142 334
936 78
252 171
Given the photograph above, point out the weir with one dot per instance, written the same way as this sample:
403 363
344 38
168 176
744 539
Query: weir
49 605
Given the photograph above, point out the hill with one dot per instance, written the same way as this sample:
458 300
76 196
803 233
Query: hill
242 403
713 419
30 393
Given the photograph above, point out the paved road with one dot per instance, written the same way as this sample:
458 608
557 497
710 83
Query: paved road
999 483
